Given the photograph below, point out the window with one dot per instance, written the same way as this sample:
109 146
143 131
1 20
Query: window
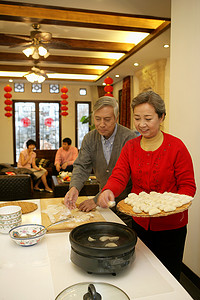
39 121
36 88
81 109
83 92
19 87
54 88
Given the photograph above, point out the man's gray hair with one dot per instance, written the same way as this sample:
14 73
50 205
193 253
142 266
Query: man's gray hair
107 101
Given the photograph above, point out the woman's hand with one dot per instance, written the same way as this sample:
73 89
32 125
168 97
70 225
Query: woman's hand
58 168
105 197
71 197
64 166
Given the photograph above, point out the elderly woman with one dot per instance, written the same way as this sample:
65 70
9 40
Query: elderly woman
27 160
160 162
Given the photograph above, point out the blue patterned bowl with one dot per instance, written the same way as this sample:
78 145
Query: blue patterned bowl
19 234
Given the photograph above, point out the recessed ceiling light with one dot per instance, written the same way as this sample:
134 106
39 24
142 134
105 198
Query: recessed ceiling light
103 83
166 46
136 64
10 80
117 75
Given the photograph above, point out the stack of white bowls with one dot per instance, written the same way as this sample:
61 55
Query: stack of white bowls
10 216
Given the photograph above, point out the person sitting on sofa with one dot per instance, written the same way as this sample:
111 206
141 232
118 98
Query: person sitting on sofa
65 156
27 160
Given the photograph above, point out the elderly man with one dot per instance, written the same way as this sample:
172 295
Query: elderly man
65 156
99 152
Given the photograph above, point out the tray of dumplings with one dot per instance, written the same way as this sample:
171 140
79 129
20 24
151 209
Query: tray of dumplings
154 204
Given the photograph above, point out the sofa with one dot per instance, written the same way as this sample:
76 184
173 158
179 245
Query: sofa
46 158
15 184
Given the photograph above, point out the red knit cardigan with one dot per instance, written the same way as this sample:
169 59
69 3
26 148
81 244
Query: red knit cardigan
167 169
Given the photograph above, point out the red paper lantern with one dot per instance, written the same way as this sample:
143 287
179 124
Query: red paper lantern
109 95
8 114
64 96
26 122
108 88
8 95
8 102
48 122
8 108
64 89
108 80
7 88
64 113
64 107
64 102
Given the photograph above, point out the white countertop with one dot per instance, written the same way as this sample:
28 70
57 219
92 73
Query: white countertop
42 271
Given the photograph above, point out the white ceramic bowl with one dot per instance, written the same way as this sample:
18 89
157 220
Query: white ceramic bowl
18 234
10 212
11 221
6 227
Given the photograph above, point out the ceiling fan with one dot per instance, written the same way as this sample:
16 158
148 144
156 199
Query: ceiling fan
39 39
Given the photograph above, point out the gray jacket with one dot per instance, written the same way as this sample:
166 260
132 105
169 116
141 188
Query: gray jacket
91 156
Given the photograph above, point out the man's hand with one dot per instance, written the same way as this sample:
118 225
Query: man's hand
71 197
87 205
64 166
105 198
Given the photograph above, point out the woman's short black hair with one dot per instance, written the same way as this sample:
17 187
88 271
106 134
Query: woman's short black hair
30 142
67 140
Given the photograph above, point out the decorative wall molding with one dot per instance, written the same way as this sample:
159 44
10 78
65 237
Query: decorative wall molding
153 77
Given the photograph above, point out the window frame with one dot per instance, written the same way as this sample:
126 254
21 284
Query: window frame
37 102
76 124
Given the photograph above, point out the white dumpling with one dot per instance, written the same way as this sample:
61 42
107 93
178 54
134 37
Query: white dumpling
90 239
111 204
154 211
111 245
169 208
104 238
136 209
185 201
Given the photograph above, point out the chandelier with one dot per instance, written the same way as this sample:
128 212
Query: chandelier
36 75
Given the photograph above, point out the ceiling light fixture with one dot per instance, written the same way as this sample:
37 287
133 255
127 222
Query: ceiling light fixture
166 46
36 51
35 75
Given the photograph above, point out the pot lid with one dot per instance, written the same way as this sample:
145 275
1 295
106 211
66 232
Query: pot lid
92 291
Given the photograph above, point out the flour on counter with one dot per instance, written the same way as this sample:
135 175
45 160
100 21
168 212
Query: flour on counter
53 211
58 212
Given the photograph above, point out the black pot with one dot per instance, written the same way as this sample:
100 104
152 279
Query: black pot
94 256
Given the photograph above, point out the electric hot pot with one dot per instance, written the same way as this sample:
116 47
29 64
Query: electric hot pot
93 255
